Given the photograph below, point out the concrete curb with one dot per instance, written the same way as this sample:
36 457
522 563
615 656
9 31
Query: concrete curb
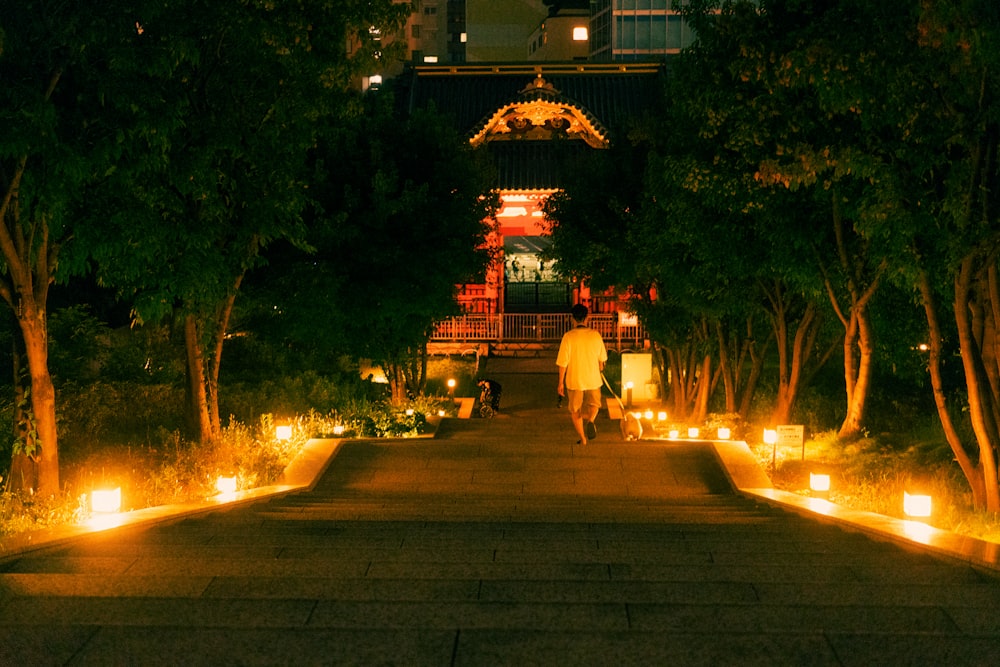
747 478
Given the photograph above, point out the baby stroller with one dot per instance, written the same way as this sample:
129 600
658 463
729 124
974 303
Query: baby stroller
489 398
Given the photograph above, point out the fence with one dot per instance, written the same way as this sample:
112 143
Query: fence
534 328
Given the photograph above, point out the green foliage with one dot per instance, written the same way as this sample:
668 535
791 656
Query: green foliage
407 209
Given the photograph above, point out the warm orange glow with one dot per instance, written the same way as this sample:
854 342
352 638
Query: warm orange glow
693 432
338 429
225 484
724 433
580 33
770 436
819 481
661 416
106 500
674 434
917 506
283 432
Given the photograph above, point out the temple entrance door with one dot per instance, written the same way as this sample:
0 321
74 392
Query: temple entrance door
532 284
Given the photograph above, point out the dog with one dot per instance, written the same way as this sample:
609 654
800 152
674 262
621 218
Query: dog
631 426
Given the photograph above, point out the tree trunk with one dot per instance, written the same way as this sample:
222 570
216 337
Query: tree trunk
976 482
794 353
204 359
981 400
703 391
858 341
30 256
198 414
857 373
727 369
43 399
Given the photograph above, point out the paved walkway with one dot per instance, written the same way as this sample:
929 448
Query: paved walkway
499 542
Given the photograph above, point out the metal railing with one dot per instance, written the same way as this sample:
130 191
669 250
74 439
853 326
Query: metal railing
533 328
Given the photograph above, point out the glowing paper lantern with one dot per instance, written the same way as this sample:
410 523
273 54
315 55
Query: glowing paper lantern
724 433
770 436
917 506
338 429
661 416
674 434
283 432
225 484
106 500
819 482
693 432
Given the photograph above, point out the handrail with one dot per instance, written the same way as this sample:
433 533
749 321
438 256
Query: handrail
532 328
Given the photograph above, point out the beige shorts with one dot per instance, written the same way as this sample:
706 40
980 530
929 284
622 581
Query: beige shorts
578 400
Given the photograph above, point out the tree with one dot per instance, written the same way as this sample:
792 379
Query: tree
941 205
252 86
65 70
407 213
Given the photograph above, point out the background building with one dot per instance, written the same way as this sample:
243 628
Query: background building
624 30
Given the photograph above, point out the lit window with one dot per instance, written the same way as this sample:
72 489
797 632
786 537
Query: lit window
580 33
430 59
464 38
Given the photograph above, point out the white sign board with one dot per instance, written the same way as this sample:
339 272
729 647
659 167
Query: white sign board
791 435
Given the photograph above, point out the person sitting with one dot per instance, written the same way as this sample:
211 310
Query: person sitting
490 393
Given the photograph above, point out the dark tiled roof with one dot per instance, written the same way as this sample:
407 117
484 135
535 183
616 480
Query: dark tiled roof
532 165
610 94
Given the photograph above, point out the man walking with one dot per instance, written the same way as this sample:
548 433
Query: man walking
581 361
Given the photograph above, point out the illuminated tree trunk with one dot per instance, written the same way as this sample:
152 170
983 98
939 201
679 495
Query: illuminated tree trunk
30 262
969 311
976 482
204 358
739 392
794 350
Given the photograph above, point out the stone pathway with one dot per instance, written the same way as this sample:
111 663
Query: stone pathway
498 542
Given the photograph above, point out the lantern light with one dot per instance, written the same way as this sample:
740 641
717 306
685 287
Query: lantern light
724 433
661 416
819 482
674 434
338 429
226 485
106 501
770 436
916 505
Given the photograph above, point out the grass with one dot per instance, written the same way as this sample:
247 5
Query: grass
872 474
120 435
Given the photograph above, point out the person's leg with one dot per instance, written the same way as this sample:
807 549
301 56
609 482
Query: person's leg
574 400
588 413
